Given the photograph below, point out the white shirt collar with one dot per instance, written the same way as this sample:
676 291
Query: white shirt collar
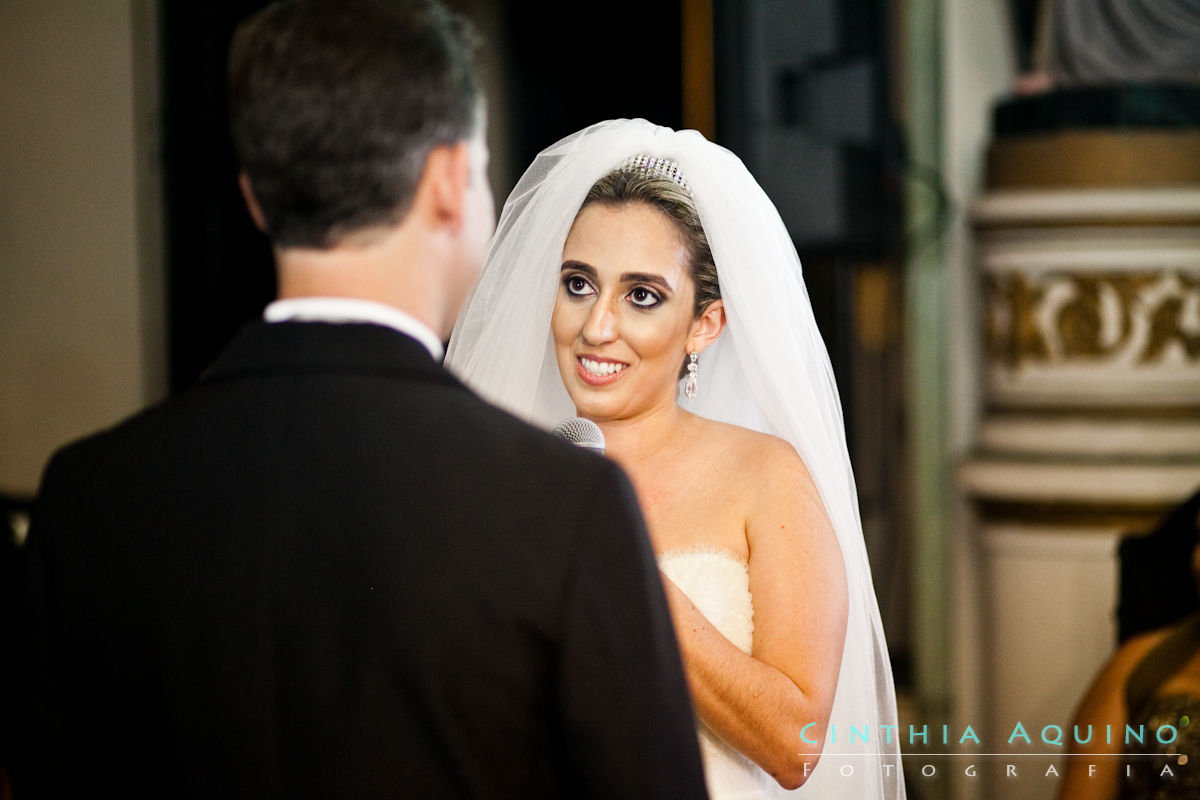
347 309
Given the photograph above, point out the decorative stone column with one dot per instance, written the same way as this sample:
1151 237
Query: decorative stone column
1089 272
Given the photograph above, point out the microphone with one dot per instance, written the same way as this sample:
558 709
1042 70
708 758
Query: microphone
581 432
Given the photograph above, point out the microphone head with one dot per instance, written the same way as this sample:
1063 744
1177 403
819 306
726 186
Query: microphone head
581 432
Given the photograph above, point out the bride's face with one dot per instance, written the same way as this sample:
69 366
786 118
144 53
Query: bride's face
623 312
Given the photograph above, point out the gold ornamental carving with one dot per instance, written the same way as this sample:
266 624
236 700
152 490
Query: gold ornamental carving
1058 317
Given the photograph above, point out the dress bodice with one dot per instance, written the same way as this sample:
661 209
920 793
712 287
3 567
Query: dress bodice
718 583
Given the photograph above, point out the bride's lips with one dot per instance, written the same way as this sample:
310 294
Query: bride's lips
597 371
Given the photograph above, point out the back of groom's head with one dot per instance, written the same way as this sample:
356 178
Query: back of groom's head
335 104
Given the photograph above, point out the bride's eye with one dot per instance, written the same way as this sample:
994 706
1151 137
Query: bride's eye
644 298
577 286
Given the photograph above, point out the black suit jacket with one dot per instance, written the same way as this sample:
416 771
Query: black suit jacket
330 570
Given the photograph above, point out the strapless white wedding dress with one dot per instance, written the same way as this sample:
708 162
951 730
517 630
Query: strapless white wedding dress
718 583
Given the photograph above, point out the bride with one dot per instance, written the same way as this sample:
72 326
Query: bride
641 279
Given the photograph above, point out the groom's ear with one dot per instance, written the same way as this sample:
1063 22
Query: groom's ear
441 191
707 327
256 213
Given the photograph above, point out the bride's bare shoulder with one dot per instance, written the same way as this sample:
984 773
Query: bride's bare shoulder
758 456
772 486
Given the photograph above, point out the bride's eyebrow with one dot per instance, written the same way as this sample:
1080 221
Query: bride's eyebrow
647 277
579 266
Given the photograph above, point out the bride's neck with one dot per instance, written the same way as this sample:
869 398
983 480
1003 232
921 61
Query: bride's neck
635 442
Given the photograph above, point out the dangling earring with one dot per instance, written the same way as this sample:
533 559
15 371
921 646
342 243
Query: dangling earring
689 383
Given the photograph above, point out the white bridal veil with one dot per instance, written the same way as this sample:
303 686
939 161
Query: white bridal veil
769 371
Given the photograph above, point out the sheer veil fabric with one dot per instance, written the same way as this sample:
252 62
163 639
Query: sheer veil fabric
769 371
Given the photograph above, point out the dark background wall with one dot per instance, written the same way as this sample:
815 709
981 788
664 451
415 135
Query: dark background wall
219 272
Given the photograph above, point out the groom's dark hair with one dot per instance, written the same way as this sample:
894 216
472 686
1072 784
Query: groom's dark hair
334 106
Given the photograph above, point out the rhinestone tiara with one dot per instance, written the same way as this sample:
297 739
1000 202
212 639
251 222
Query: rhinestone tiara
657 167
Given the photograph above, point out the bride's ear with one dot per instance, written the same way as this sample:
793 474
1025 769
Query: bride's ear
707 327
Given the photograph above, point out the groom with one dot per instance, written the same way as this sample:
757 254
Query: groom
329 570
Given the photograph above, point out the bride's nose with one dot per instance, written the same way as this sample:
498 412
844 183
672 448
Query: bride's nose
600 326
